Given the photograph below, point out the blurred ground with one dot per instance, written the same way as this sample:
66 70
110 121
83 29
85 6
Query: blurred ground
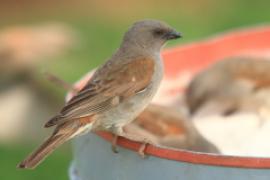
99 26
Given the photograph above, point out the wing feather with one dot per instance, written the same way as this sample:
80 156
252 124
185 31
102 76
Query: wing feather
119 81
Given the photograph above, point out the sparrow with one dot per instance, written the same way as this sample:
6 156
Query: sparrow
231 83
167 127
116 94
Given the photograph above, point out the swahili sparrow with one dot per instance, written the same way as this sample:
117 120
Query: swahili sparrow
231 83
118 91
168 127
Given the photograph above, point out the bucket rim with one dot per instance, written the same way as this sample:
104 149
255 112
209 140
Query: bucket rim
248 34
192 157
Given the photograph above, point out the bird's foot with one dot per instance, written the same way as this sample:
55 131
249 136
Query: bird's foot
141 139
142 149
144 142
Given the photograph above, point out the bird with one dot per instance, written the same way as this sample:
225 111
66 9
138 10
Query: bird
168 127
116 94
232 83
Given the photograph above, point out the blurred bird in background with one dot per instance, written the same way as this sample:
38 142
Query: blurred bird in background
168 127
232 85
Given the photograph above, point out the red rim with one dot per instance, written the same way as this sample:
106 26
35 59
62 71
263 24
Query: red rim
192 157
196 56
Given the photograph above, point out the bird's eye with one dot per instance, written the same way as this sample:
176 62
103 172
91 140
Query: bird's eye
158 32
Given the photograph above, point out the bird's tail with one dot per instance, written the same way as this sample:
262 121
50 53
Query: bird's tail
43 151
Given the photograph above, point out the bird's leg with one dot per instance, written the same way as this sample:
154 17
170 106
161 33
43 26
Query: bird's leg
141 150
134 137
114 143
141 139
117 131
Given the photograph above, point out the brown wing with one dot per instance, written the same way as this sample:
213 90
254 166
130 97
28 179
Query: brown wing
107 89
255 71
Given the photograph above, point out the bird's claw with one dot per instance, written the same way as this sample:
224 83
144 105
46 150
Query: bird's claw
114 149
141 150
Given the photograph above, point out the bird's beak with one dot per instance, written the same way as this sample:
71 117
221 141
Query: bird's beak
172 35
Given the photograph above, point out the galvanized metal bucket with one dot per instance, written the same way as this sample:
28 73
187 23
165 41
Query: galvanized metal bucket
94 160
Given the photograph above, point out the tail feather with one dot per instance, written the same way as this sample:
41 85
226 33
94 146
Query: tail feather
43 151
53 121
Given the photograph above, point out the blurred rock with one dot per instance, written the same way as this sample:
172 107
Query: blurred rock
24 46
23 111
25 103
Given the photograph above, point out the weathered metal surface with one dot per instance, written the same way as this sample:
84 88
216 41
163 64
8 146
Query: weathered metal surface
94 160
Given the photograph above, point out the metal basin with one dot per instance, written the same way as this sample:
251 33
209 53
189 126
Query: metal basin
94 160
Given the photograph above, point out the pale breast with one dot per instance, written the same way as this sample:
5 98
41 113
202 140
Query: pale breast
128 110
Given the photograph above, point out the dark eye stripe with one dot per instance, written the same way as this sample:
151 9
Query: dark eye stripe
158 32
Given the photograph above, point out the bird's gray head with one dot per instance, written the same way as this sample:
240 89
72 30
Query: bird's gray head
149 35
205 86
